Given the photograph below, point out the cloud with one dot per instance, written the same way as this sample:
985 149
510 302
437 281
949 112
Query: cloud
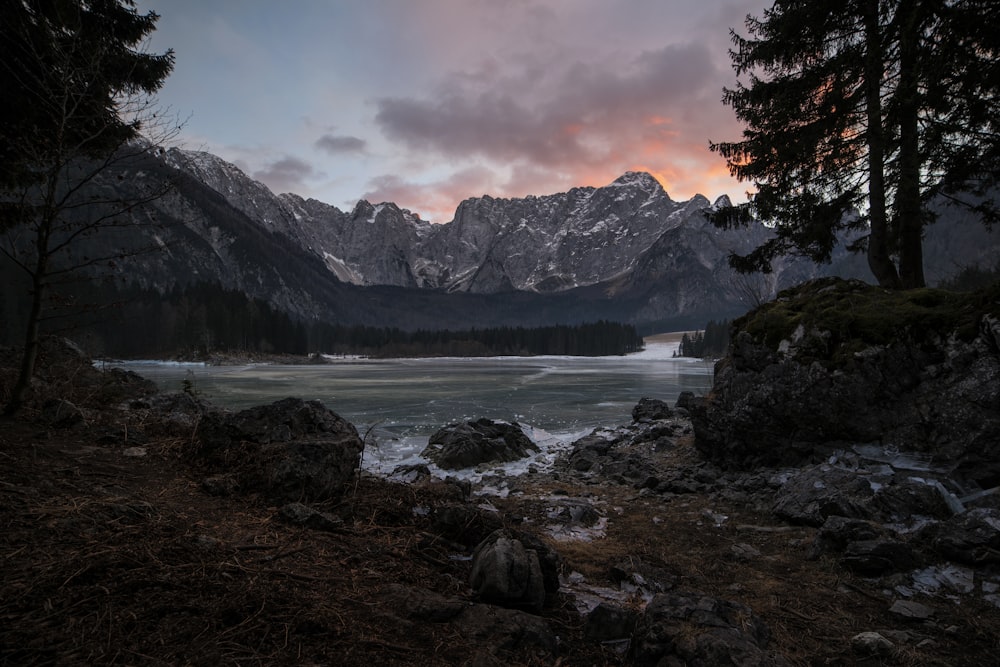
285 175
659 107
341 144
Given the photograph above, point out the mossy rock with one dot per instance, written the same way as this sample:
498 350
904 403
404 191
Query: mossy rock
856 316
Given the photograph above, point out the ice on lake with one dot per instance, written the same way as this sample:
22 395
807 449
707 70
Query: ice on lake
399 403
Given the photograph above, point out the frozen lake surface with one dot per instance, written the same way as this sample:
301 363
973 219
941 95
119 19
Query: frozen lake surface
557 399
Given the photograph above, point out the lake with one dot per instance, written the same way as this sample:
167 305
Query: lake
404 401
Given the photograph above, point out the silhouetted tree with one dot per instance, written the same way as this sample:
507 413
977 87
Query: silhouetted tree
858 112
77 109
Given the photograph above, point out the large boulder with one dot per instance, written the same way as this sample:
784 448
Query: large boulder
502 636
837 363
507 572
651 409
468 445
691 628
815 493
290 449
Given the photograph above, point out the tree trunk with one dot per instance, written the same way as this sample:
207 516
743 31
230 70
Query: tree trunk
908 204
29 356
879 260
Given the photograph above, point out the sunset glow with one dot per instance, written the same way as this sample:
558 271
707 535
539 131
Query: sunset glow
426 104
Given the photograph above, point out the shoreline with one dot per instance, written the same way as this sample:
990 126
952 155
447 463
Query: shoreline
321 359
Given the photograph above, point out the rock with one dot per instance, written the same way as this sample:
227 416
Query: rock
548 559
572 513
817 492
878 556
176 413
291 449
470 444
61 413
800 382
633 575
871 644
496 630
687 627
590 451
303 515
838 531
910 610
744 552
651 409
310 469
610 622
417 603
686 400
506 573
972 538
410 474
902 499
281 421
463 523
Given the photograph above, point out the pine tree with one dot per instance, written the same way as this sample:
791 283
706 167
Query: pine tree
77 94
857 113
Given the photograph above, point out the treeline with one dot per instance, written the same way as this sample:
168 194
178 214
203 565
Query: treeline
203 319
594 339
712 342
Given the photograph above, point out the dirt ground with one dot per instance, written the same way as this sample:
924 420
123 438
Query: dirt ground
113 558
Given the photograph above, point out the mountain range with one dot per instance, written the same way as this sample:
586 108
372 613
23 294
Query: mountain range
625 251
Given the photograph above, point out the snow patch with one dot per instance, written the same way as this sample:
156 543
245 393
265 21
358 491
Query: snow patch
342 270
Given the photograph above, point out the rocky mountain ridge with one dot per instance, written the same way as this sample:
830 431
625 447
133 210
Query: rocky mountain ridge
624 252
542 244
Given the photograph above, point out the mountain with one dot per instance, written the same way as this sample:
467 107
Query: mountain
539 244
625 251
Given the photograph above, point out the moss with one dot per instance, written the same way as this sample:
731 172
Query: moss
859 316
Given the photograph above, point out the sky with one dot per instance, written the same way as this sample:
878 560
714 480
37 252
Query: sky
428 102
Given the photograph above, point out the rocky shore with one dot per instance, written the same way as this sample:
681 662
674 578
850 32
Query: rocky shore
148 528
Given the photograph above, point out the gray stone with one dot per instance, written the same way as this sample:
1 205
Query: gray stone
743 552
494 629
470 444
290 449
838 531
506 573
609 622
871 644
972 538
910 610
303 515
878 556
818 492
175 413
410 474
686 400
651 409
635 575
780 403
687 627
310 469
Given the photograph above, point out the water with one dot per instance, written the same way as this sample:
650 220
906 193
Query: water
403 401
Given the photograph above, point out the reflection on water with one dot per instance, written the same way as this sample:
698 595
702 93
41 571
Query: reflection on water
415 397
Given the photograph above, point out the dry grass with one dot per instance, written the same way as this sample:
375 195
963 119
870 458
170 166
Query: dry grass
113 560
